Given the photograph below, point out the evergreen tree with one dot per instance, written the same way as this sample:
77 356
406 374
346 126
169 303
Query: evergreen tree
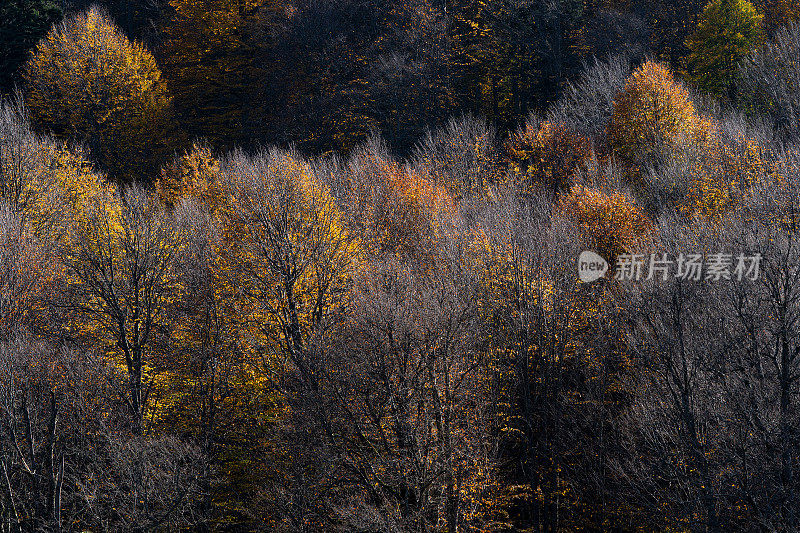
22 24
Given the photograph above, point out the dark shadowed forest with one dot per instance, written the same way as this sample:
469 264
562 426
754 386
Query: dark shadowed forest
320 266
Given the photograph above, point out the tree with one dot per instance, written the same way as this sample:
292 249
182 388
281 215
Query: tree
287 255
778 13
764 366
546 158
117 103
194 175
284 271
460 156
210 50
587 105
722 174
47 443
727 31
45 192
43 181
144 484
24 272
652 116
122 276
672 428
67 455
396 211
609 222
404 386
767 81
554 367
22 24
214 389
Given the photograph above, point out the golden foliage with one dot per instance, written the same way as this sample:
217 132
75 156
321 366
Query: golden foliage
24 272
285 256
727 31
46 192
778 13
86 78
718 177
407 221
546 158
53 194
400 212
651 116
609 222
195 174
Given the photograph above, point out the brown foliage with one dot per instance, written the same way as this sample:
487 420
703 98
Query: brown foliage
778 12
399 211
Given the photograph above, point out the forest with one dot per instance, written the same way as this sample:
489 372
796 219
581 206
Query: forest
316 266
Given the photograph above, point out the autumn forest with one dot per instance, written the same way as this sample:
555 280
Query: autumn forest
320 266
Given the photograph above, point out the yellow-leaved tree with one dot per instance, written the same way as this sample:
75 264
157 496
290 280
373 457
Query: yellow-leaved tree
540 338
402 213
194 175
608 221
282 274
214 387
544 159
45 192
723 173
86 80
728 30
43 180
778 13
653 115
122 274
285 258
